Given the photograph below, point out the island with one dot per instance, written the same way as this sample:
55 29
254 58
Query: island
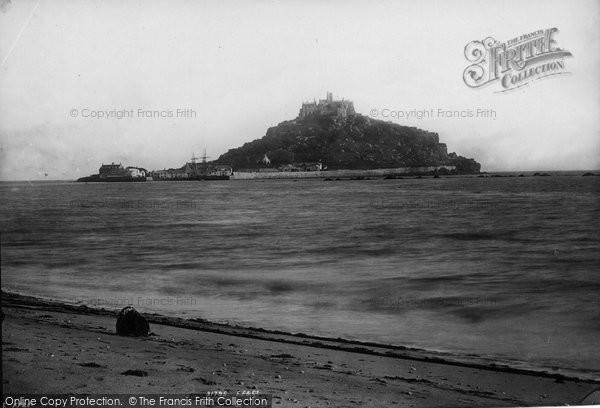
327 139
330 135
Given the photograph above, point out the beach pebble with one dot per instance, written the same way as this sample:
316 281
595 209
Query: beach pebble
131 323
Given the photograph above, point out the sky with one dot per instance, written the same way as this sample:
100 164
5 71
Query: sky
238 67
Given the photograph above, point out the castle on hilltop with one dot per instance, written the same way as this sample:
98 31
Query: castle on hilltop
327 106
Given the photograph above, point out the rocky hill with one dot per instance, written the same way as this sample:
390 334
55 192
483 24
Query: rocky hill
355 142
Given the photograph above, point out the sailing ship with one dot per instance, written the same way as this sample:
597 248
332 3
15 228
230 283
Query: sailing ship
210 171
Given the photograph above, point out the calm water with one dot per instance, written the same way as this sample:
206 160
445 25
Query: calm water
500 268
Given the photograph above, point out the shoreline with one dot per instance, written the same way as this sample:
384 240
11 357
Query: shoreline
407 176
52 347
49 347
13 299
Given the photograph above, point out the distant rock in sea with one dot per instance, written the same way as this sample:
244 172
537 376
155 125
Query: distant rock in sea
345 141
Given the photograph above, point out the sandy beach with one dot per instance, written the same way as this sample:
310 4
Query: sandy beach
54 348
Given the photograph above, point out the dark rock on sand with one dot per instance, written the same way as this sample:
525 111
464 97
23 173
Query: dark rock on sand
283 355
205 381
92 364
135 373
131 323
588 174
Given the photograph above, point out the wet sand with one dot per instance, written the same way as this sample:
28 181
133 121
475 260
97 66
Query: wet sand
48 347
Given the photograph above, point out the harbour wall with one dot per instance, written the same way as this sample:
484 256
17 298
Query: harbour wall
335 173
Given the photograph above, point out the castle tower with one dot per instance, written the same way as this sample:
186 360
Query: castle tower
329 97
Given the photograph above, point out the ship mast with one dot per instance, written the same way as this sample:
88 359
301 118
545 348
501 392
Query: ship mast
194 164
204 156
204 165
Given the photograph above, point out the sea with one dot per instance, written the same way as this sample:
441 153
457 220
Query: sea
502 269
